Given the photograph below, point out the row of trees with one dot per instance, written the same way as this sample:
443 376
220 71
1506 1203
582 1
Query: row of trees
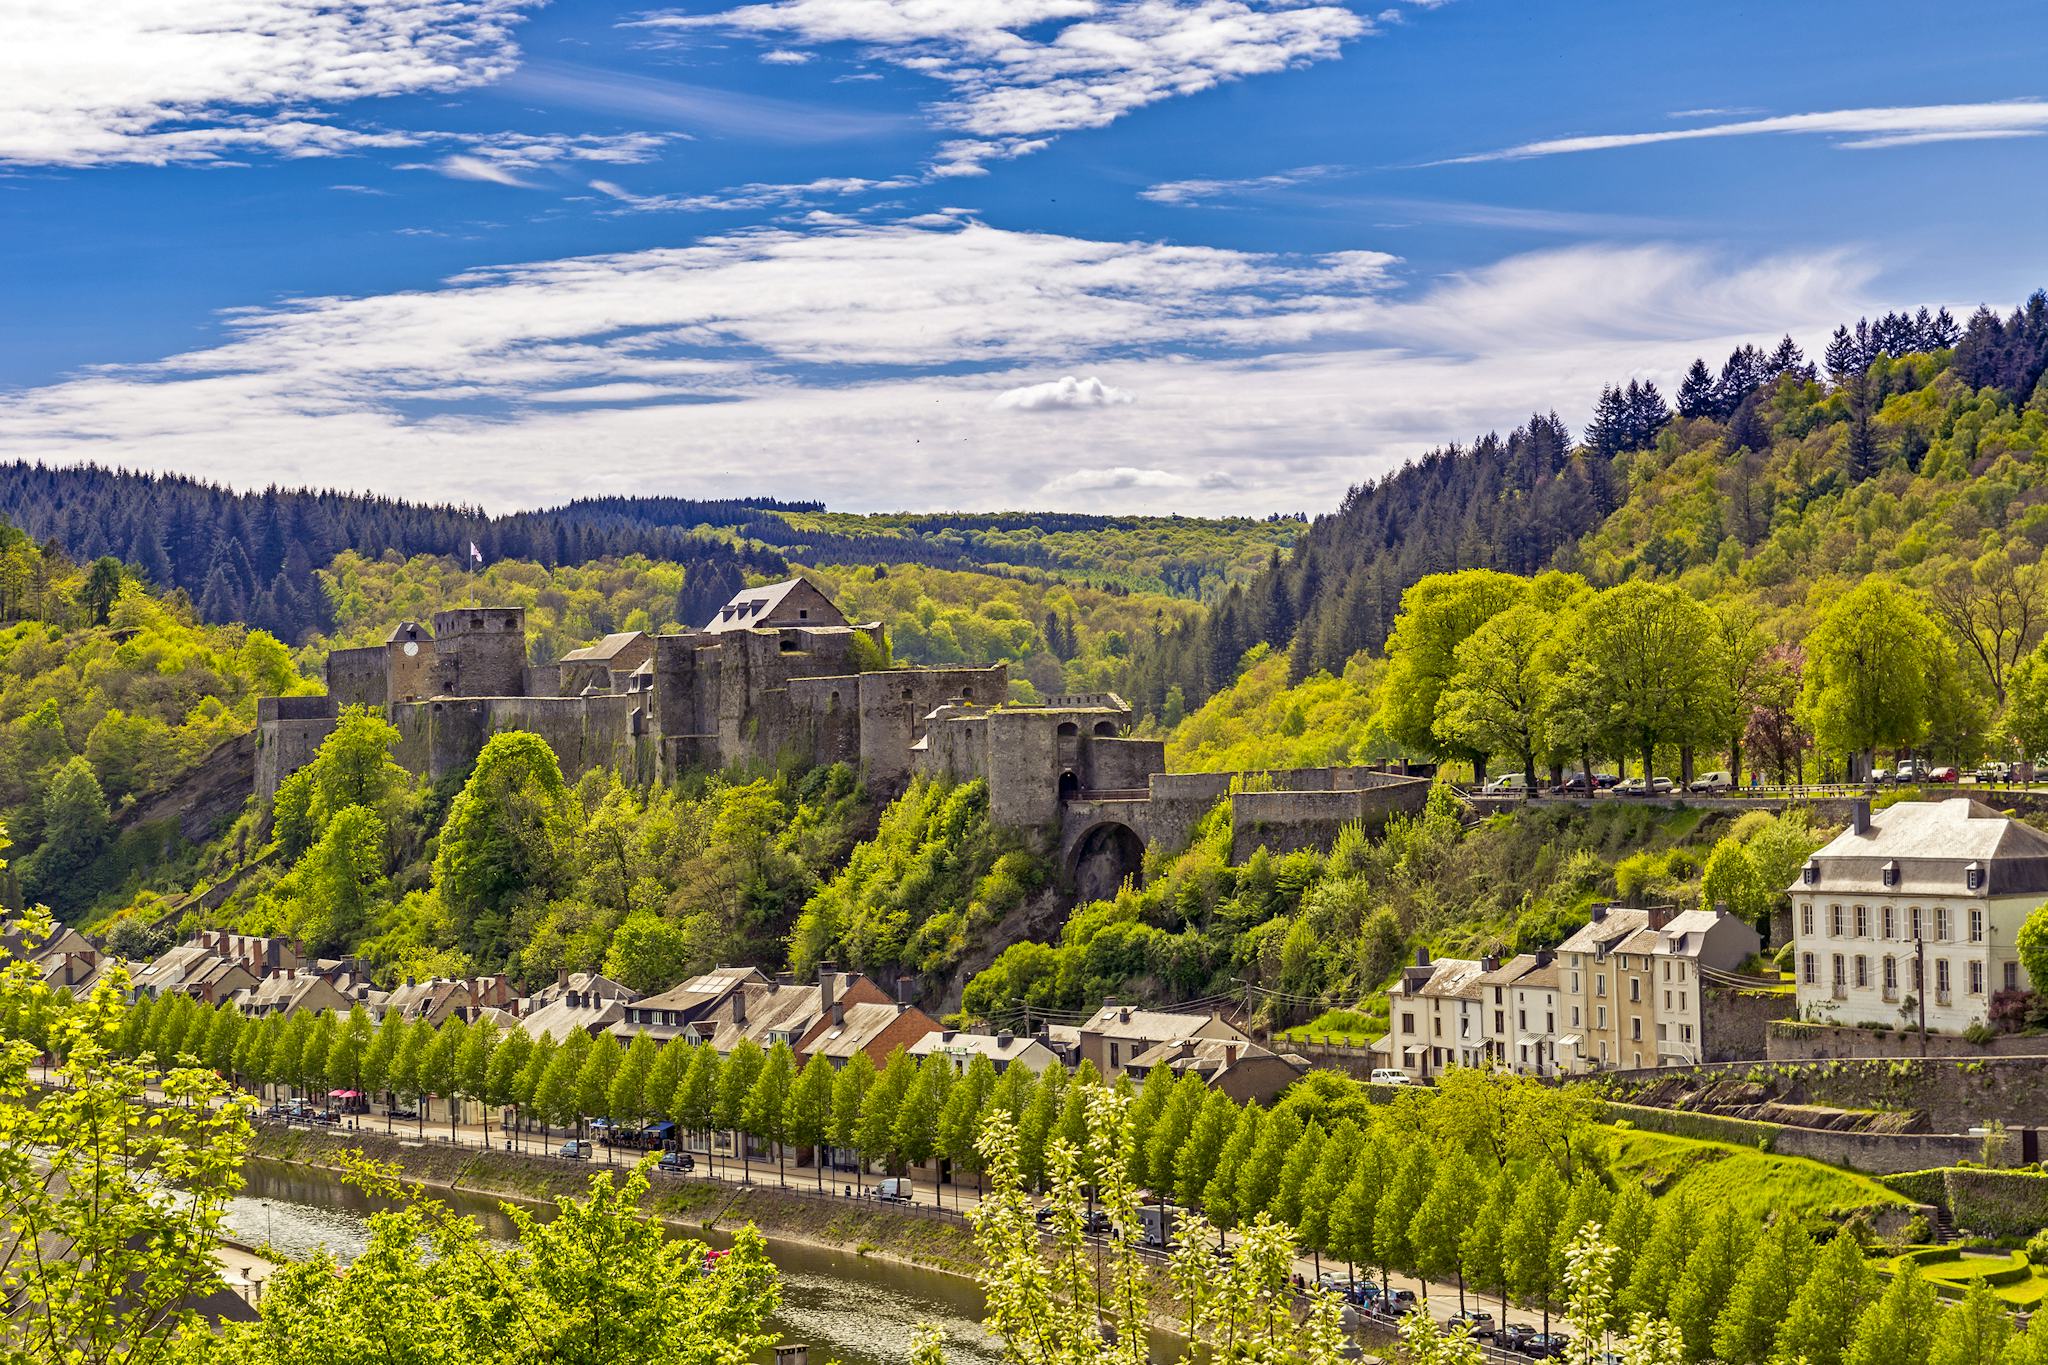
1551 673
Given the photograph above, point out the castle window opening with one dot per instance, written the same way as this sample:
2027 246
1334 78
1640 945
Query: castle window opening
1070 786
1069 730
1105 729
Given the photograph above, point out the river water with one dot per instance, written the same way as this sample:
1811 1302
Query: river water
847 1308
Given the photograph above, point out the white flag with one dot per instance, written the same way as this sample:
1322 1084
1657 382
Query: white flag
474 553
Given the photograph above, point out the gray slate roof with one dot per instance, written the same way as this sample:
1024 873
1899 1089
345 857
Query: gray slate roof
1933 843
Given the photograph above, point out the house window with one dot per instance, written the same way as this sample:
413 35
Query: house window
2012 976
1806 919
1941 923
1890 928
1941 976
1862 922
1112 1056
1575 983
1976 926
1599 985
1914 916
1407 1022
1635 990
1603 1017
1806 973
1635 1029
1973 877
1436 1026
1812 873
1862 970
1891 874
1835 921
1841 977
1976 977
1891 974
1681 1000
1575 1016
1521 1021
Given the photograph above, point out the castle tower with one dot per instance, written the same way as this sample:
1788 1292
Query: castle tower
479 652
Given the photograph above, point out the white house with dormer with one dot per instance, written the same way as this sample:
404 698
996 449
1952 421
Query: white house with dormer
1918 903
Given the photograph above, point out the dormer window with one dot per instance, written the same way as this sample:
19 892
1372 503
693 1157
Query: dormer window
1891 873
1810 874
1973 876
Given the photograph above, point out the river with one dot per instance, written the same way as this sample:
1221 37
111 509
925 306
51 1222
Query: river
847 1308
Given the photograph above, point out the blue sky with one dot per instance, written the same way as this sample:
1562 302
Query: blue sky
1158 255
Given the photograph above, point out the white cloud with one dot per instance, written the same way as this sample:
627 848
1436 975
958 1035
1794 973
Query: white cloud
1020 71
1190 192
1062 395
463 167
1883 127
748 197
858 363
784 56
162 81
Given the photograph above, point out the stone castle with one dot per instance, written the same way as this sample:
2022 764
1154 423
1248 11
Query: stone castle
780 675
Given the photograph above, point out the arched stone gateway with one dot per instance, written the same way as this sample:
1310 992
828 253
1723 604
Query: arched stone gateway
1104 857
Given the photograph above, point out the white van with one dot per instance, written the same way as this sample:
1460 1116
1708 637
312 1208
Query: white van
1388 1075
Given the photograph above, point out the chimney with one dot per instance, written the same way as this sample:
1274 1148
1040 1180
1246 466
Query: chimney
1491 962
838 1013
1544 957
739 1006
1109 1002
1660 915
1124 1015
906 989
828 980
1599 914
945 1035
408 981
1859 815
1004 1039
1230 1054
1422 957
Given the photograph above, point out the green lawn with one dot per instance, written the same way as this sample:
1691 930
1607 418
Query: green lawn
2025 1285
1756 1182
1349 1028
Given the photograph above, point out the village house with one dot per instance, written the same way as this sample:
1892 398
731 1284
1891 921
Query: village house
1518 1008
193 969
1004 1050
1116 1033
675 1012
1635 989
1243 1070
444 998
576 1001
1916 909
289 993
1434 1016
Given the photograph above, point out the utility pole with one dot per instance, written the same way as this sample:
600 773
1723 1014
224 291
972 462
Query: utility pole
1920 982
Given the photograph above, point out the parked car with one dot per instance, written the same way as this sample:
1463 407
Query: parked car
1882 777
678 1163
1509 783
1716 781
1994 772
1607 779
1546 1345
1636 786
1397 1303
575 1149
1390 1075
892 1190
1576 784
1477 1321
1944 775
1511 1337
1909 770
405 1113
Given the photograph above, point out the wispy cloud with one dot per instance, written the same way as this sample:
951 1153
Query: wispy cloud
872 355
508 158
748 197
1021 71
204 80
1190 192
1880 127
784 56
693 108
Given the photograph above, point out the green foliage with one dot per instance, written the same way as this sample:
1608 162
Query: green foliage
1259 721
937 876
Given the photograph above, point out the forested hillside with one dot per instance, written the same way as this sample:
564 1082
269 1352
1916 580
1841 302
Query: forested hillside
1911 443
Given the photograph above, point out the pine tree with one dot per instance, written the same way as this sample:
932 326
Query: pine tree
1324 1187
1411 1171
1220 1194
767 1103
1527 1249
1974 1332
1898 1326
1710 1270
1258 1182
917 1120
1747 1326
1821 1320
1204 1146
1485 1266
1437 1232
808 1117
1300 1165
1696 392
1145 1112
594 1080
1352 1222
736 1079
849 1095
630 1099
876 1134
960 1121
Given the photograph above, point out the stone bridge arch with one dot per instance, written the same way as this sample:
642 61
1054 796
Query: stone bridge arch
1101 844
